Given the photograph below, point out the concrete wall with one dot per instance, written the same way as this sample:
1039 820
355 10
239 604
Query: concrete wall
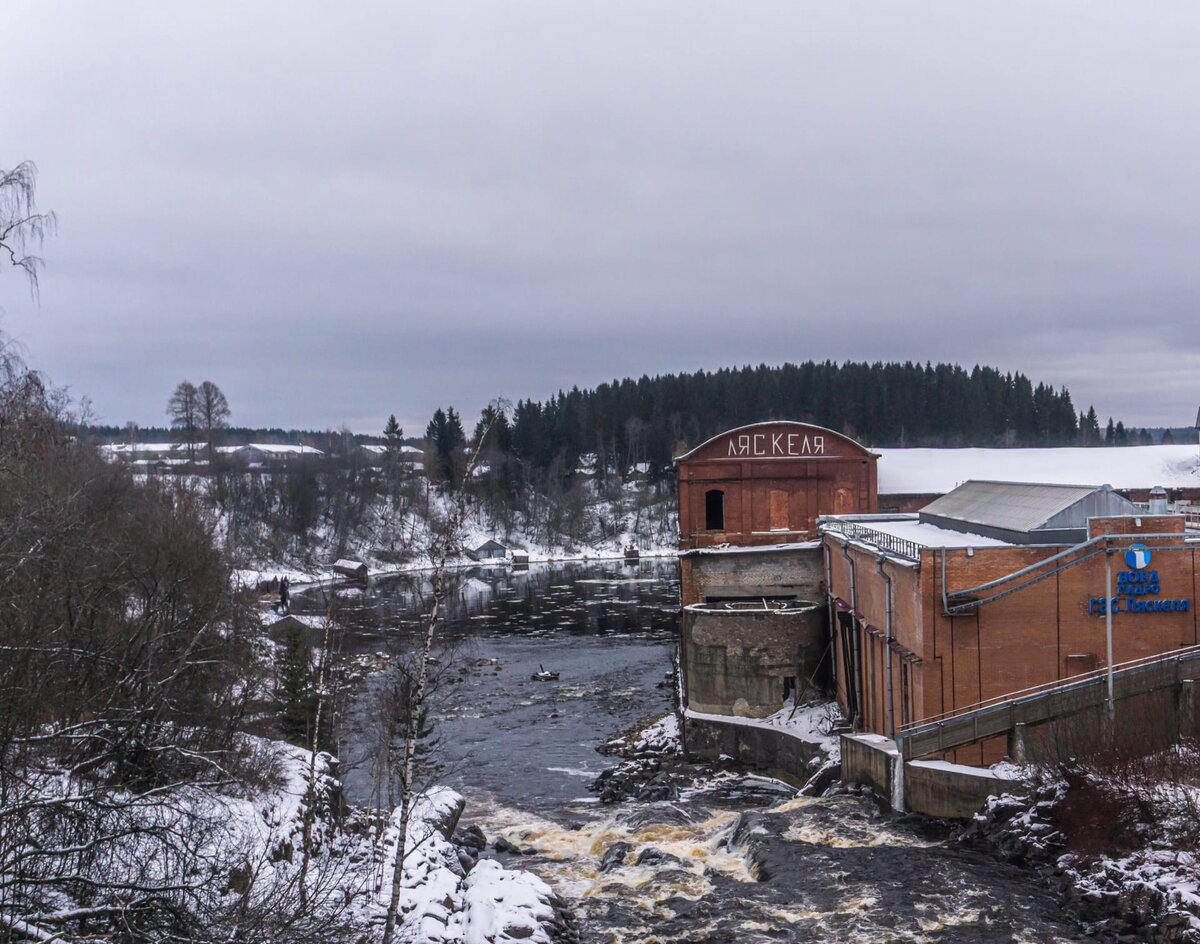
736 661
1142 724
931 788
768 750
951 792
798 572
871 759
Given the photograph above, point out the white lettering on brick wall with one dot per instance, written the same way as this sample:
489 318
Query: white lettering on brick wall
780 445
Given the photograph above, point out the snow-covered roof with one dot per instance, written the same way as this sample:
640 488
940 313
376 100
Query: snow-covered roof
937 471
275 449
1024 507
910 528
131 449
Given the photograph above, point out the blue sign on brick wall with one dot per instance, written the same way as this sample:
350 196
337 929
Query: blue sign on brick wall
1139 590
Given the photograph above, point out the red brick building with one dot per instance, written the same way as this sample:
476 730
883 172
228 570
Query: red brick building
972 600
768 483
754 631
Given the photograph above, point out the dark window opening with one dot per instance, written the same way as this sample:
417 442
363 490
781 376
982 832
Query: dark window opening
789 688
714 510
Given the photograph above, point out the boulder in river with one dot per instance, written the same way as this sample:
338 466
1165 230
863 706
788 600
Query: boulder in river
471 837
615 856
652 855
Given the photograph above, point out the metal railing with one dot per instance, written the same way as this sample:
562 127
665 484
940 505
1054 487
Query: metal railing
901 547
1189 513
1174 655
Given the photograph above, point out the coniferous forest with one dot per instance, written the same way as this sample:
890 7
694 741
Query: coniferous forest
655 418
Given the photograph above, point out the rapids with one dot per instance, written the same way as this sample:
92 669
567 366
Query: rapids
736 858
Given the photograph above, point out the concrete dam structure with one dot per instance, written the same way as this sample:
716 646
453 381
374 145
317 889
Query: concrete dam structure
747 657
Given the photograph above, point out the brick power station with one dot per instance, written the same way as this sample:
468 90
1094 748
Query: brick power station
792 582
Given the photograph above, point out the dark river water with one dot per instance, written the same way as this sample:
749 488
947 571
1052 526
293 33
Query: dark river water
737 858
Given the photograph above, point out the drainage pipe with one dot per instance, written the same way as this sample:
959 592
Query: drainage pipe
1108 626
857 719
887 655
831 610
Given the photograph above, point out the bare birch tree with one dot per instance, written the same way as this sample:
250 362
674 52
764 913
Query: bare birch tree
213 410
184 410
445 547
21 226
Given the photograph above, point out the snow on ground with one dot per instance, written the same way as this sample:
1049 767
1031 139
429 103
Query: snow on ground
446 898
937 471
374 538
251 578
445 904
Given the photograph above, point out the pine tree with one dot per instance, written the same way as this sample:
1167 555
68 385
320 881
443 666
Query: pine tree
296 693
445 434
393 433
1110 433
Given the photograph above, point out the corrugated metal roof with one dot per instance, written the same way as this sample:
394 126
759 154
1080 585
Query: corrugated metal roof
1010 506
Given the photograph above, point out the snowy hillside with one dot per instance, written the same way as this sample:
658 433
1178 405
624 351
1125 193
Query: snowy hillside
936 471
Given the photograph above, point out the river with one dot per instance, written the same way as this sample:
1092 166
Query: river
736 858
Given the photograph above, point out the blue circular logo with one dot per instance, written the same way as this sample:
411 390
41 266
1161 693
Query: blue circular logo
1137 557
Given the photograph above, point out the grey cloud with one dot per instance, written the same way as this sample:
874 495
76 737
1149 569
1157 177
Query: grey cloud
337 215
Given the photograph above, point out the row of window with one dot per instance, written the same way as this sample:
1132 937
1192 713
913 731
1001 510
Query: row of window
714 510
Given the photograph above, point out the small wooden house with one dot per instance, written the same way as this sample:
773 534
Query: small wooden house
490 550
356 570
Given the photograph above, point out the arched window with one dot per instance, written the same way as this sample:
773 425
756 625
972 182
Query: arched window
714 510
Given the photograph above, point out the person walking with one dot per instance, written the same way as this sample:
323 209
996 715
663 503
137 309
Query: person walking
285 600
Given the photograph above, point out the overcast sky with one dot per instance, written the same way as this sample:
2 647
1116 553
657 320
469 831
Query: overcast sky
340 211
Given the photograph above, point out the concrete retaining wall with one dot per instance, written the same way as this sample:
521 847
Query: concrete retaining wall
951 791
797 572
771 751
869 758
932 788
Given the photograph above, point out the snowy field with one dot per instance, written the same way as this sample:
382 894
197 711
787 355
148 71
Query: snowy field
937 471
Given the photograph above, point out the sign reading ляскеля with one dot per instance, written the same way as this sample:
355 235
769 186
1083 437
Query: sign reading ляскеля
775 445
1135 585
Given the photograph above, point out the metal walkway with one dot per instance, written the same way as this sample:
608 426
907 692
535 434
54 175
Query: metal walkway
998 717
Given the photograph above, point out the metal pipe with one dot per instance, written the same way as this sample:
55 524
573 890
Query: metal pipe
857 668
1074 549
1108 627
887 656
831 613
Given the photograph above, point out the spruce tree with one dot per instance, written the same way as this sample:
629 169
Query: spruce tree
296 694
393 433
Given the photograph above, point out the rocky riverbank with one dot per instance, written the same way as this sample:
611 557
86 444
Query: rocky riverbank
1146 896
